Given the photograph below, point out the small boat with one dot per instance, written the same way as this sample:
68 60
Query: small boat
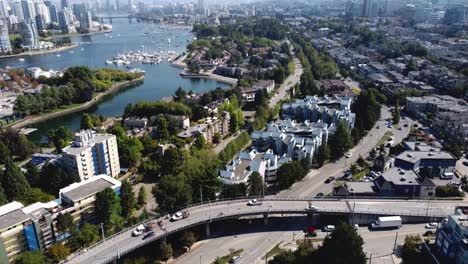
82 49
71 51
109 62
21 59
58 55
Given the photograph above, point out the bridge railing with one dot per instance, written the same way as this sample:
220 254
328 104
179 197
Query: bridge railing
383 211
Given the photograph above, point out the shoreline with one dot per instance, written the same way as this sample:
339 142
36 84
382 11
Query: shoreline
30 120
39 52
78 34
210 76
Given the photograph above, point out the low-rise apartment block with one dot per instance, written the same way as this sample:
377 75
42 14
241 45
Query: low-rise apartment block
92 154
209 128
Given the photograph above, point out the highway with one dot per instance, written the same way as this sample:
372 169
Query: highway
123 242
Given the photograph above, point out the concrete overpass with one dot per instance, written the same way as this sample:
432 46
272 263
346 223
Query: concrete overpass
361 211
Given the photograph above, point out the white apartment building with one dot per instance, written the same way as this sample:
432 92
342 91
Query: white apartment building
93 154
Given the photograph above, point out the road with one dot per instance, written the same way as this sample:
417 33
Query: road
291 81
123 242
258 240
313 181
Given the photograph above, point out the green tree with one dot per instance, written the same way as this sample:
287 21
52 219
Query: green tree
87 235
180 94
396 114
172 193
64 223
32 174
200 142
165 251
141 196
234 190
4 152
3 198
216 138
127 199
187 239
343 245
60 138
36 195
86 122
255 184
323 154
31 257
107 208
14 182
410 252
53 178
58 252
340 141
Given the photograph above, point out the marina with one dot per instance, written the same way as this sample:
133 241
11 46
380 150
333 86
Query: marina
160 79
138 56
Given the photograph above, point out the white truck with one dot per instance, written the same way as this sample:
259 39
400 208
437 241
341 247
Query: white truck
387 222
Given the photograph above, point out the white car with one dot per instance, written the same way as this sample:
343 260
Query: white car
254 202
328 228
311 208
432 225
138 230
177 216
348 155
356 226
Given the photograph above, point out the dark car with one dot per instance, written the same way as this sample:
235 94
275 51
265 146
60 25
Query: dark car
429 233
318 195
329 179
150 234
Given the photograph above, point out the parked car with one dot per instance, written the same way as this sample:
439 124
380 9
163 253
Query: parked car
428 233
356 226
148 235
329 179
318 195
254 202
328 228
348 175
431 225
311 208
234 259
310 231
348 155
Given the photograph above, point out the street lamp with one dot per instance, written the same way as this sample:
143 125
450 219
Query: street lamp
102 231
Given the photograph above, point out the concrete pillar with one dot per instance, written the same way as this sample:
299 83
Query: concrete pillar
207 230
265 219
312 219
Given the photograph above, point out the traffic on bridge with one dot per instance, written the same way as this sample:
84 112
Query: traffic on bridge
113 247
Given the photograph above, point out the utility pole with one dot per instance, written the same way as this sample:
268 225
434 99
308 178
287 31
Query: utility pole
394 245
201 194
370 259
102 231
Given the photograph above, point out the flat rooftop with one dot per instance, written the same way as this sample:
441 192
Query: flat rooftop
86 188
401 177
12 218
414 156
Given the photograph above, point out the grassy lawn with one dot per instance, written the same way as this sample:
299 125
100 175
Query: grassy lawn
225 259
61 108
361 174
309 241
356 90
384 139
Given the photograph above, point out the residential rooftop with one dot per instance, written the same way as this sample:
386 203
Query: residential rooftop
80 190
413 156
